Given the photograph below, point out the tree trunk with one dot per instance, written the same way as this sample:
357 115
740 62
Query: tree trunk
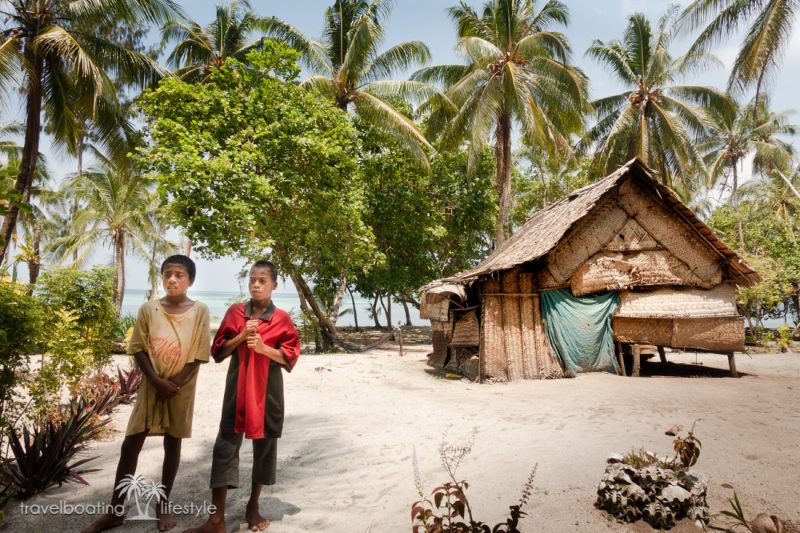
326 328
502 152
187 251
35 262
643 137
389 310
30 150
355 311
374 306
333 311
119 262
153 276
307 313
735 201
408 313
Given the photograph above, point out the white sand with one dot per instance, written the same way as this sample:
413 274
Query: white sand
345 459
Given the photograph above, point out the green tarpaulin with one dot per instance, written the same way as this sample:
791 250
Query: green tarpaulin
579 329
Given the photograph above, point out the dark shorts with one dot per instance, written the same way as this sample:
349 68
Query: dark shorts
225 463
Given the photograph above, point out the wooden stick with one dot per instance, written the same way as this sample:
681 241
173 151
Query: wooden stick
637 353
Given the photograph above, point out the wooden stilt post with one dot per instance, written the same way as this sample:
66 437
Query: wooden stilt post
637 354
732 364
662 354
621 357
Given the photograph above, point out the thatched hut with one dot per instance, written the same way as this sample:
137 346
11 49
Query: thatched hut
620 262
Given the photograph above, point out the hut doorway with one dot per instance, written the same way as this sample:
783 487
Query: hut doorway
579 330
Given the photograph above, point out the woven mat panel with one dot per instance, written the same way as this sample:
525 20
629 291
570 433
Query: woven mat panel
439 355
547 365
512 326
492 343
466 331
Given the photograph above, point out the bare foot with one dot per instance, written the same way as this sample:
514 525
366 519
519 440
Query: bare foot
165 519
255 522
107 521
211 526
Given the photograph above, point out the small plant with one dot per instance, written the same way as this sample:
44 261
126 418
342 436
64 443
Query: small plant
448 509
687 449
129 381
784 337
123 326
761 523
44 455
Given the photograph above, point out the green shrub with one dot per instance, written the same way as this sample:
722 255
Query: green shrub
88 295
784 337
21 328
66 360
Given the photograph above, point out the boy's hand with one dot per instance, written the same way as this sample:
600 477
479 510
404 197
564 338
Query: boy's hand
251 326
166 389
256 343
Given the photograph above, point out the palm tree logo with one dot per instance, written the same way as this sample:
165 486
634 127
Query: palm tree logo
139 487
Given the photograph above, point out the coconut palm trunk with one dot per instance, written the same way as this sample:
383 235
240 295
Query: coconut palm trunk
502 152
119 261
30 150
35 261
735 202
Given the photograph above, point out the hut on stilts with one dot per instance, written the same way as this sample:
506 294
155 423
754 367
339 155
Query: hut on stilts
616 265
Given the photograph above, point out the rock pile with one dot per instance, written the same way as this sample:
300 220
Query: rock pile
659 495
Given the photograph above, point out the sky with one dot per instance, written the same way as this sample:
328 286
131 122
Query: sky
428 21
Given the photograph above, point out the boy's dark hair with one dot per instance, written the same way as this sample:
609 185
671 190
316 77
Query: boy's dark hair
181 260
263 263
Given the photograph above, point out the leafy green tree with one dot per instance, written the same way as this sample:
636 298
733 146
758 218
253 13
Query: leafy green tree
770 231
200 49
350 70
253 164
655 119
47 49
767 38
426 225
517 71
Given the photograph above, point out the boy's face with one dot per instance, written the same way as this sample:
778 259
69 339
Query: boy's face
175 279
261 283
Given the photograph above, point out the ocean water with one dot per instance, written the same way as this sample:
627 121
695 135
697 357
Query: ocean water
218 302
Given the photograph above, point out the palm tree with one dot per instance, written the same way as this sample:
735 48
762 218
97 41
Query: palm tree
116 208
655 119
201 49
517 72
349 69
737 131
48 49
768 36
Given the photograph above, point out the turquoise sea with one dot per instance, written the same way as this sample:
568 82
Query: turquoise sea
218 302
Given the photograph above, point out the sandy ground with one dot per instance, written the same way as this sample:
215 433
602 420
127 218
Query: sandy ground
354 421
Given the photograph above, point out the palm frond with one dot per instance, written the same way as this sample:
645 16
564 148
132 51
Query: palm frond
393 123
397 58
314 53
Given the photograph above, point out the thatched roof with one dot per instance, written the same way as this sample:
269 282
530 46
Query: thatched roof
546 227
